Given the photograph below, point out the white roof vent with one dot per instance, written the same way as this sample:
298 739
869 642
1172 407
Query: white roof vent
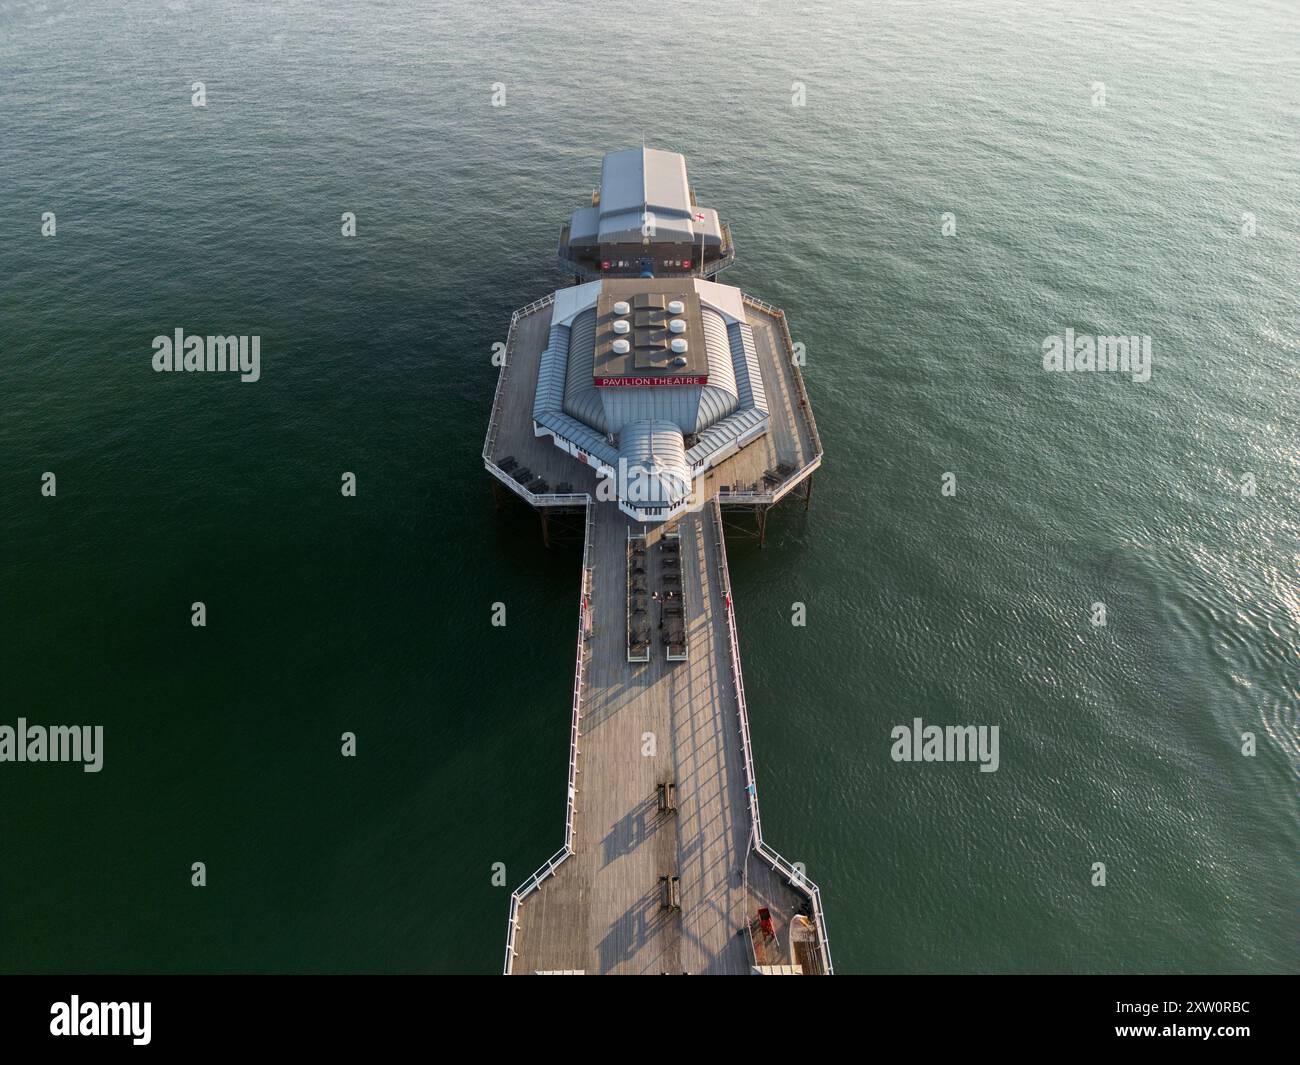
622 307
677 326
679 346
621 327
676 307
621 347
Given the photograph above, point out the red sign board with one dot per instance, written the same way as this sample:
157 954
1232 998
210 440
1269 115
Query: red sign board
651 382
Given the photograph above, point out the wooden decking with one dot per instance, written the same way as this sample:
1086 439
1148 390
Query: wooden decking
643 724
791 436
511 431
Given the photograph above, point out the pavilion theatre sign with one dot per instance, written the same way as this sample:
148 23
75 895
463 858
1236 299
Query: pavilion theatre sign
651 382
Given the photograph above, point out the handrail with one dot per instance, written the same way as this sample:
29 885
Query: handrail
575 731
795 878
715 266
591 273
729 495
804 402
560 499
566 499
489 441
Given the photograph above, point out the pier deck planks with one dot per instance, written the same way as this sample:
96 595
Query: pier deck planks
601 912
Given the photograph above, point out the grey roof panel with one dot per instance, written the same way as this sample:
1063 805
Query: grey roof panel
719 436
749 378
584 226
550 375
583 436
581 397
638 180
666 187
719 397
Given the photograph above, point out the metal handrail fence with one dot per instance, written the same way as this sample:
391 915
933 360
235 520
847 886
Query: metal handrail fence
575 732
796 879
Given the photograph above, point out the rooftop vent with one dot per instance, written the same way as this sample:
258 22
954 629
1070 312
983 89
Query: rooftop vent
676 307
679 346
622 326
677 326
621 347
681 360
621 307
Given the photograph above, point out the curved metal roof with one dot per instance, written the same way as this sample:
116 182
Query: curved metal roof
744 357
719 397
550 375
581 397
653 467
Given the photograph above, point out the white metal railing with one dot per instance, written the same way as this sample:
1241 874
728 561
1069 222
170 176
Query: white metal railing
584 606
796 879
727 260
566 499
494 421
728 495
575 732
536 305
804 402
732 496
584 629
593 273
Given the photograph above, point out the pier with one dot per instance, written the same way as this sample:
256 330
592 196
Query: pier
663 868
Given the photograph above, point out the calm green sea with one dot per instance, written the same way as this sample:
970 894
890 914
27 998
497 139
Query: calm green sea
1169 210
